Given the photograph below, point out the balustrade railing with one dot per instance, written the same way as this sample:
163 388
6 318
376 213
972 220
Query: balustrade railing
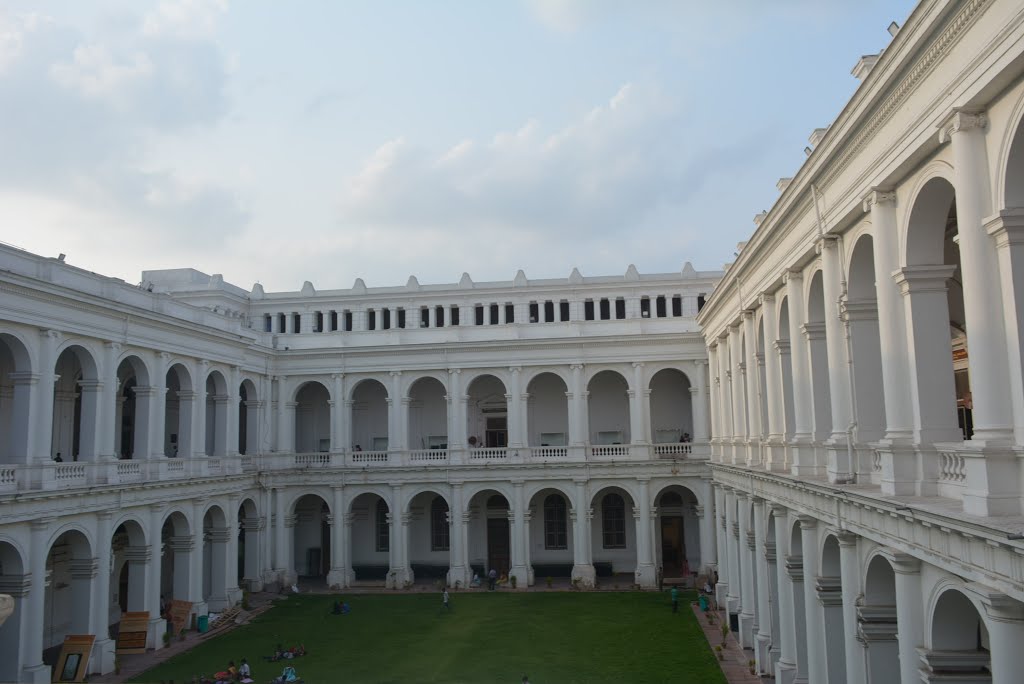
488 454
673 449
361 457
614 450
549 452
317 460
428 456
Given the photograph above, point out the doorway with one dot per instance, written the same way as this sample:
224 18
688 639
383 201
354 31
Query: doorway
498 555
673 547
496 433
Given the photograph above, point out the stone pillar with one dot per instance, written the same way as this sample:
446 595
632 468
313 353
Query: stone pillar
909 612
158 416
763 638
108 409
719 523
705 522
829 592
200 371
32 639
42 416
578 429
223 574
266 434
516 414
739 401
399 537
646 575
772 391
732 537
520 535
1005 623
340 428
714 392
398 415
340 574
801 450
1007 231
196 549
583 568
754 390
817 670
699 402
153 559
232 421
786 667
840 466
282 545
990 388
639 407
456 423
725 398
143 413
283 434
458 571
850 577
102 658
748 597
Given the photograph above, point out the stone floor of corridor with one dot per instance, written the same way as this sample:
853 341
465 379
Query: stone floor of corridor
734 667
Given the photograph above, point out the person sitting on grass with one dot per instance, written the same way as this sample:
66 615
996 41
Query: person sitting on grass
336 610
244 673
287 675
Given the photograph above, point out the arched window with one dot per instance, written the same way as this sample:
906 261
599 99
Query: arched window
383 529
439 524
613 522
554 523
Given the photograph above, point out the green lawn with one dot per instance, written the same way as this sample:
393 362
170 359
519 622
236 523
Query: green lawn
487 637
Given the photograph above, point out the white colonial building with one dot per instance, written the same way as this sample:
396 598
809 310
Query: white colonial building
867 398
186 439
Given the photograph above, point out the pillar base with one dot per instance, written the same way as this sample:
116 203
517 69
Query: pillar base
774 653
339 578
522 575
839 460
646 576
785 673
287 578
200 608
899 468
37 674
992 474
218 604
721 592
399 578
803 460
102 657
234 596
746 635
459 577
252 584
584 576
762 653
155 633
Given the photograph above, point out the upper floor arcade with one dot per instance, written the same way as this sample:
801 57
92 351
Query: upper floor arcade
870 330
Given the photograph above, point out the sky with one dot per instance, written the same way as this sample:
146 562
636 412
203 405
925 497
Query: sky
327 141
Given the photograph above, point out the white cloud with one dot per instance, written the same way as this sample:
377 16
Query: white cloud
13 30
94 72
184 18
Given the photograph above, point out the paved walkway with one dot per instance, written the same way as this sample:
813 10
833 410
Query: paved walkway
736 665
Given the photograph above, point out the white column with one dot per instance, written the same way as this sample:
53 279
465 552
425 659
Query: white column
516 415
739 399
772 393
753 389
705 522
1007 230
151 586
102 658
714 394
583 566
763 639
748 596
728 435
990 388
38 447
195 557
817 670
456 425
520 534
801 449
909 612
1005 624
108 410
341 572
144 400
578 429
699 402
266 433
282 545
839 466
645 573
893 334
732 535
201 369
34 669
340 429
283 433
786 668
158 417
719 524
639 408
458 571
398 415
232 591
232 420
850 575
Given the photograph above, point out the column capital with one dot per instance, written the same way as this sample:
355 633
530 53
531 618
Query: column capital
638 364
778 510
766 298
395 373
807 522
845 538
337 376
454 371
998 605
747 314
47 333
961 120
902 563
912 279
693 390
792 274
878 196
515 370
576 366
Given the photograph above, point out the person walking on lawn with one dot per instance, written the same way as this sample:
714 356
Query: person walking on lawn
675 598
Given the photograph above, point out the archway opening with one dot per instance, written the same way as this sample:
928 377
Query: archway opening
428 415
960 644
15 401
75 407
876 622
678 533
551 538
311 537
830 593
70 567
216 414
248 418
613 539
608 409
248 561
548 411
15 583
178 412
861 313
671 407
490 542
487 413
369 416
817 348
429 536
175 562
215 559
312 419
371 538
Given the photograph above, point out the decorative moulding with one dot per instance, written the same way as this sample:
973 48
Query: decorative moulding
632 275
413 283
689 271
466 282
575 278
257 292
359 287
307 289
520 279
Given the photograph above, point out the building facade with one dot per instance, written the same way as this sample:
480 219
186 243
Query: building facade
186 439
867 398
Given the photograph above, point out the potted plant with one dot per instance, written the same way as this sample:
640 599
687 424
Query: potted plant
167 639
117 665
181 634
549 582
753 667
512 580
718 652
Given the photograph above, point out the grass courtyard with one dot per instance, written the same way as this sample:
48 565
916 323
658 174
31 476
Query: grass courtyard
487 637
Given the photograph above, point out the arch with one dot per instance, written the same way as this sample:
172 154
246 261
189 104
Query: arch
364 382
531 372
489 530
67 596
956 627
439 376
12 574
1009 185
429 534
312 432
671 406
427 416
132 412
865 341
820 386
76 425
593 370
566 489
249 524
248 417
82 352
311 535
370 415
130 361
15 371
370 541
608 408
931 202
677 550
178 411
216 414
548 409
433 490
487 411
555 520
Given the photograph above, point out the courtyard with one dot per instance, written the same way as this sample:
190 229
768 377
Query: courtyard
484 637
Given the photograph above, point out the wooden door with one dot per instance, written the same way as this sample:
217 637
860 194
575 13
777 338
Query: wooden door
498 555
673 548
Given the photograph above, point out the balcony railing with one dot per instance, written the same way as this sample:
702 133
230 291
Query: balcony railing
50 476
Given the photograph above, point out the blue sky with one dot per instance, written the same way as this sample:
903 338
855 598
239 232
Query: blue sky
325 141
